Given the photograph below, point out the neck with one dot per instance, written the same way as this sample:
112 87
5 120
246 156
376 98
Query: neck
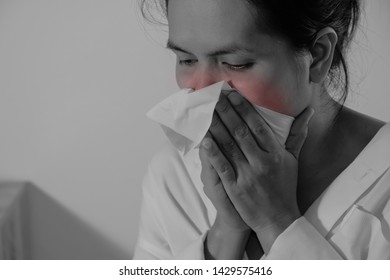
320 152
321 129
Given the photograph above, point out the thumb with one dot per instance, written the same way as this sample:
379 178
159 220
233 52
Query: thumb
298 132
208 174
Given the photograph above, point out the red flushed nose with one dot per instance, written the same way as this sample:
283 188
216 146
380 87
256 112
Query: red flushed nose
258 90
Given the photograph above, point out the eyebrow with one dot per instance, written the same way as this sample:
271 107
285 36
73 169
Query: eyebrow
232 49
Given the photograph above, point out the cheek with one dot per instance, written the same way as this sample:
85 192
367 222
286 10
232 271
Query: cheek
263 92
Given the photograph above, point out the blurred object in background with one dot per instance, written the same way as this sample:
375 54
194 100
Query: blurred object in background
14 221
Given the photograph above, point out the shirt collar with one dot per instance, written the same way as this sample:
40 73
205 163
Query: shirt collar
344 191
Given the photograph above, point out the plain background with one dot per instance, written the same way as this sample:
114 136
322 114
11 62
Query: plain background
76 79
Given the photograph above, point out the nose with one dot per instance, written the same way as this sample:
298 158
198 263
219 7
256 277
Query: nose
205 76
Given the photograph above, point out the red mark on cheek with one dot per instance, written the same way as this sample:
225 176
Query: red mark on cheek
263 93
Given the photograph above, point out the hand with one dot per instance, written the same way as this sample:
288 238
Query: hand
227 216
259 176
229 234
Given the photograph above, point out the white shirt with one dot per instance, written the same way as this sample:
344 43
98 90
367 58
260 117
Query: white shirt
350 220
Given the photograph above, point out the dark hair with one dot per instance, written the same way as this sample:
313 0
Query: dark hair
299 21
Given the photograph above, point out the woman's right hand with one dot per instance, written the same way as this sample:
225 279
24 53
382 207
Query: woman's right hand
229 234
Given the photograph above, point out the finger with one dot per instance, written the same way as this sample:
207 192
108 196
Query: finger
298 132
226 143
222 203
219 162
238 129
208 174
259 128
220 200
213 187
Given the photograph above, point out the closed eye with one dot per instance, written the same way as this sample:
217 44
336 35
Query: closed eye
187 62
238 67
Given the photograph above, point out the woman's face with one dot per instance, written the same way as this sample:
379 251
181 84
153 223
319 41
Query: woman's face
217 40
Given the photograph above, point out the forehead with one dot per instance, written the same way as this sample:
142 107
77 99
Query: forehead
205 23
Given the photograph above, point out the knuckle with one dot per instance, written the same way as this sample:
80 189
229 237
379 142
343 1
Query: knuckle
207 153
276 159
241 131
226 172
259 129
212 152
229 176
228 147
224 169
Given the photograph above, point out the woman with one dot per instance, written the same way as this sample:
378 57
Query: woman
325 195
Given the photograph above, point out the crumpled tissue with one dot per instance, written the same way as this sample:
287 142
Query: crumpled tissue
186 116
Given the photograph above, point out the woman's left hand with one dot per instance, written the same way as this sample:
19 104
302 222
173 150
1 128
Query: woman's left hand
263 188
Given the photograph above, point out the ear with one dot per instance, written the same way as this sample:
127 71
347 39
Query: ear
322 52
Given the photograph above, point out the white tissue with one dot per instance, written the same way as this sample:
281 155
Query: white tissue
186 116
279 123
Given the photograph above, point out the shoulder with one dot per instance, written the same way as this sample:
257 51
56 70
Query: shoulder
369 137
355 130
359 125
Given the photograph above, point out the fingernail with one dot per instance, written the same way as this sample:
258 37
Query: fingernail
206 143
235 98
310 116
226 92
